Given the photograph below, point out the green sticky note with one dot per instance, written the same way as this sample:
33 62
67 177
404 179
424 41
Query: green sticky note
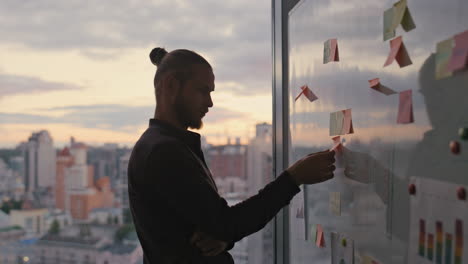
398 14
442 57
389 29
407 22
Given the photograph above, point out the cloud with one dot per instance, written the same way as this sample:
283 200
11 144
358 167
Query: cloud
123 118
234 34
16 84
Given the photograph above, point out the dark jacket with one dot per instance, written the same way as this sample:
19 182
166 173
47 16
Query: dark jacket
172 195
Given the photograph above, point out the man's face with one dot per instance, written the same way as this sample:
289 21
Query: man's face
194 98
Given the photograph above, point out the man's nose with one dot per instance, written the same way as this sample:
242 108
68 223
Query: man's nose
210 101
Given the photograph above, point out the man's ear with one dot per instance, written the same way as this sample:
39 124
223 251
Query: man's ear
173 84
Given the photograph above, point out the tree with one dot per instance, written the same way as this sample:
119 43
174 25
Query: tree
122 232
54 227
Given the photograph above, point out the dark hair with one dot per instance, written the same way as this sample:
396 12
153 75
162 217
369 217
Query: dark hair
178 61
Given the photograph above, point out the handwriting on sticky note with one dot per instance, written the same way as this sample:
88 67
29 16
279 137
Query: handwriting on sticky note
376 85
459 57
405 108
396 15
330 51
442 57
307 93
341 123
398 52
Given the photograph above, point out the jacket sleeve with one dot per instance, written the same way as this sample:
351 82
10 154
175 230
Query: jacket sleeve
176 178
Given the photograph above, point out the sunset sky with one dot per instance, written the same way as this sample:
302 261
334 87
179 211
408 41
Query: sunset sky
81 69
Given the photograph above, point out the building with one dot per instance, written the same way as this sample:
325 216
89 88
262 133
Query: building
77 190
259 171
10 234
120 254
109 216
86 244
31 218
68 249
123 181
228 160
39 159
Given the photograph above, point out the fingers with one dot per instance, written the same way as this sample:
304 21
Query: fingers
196 237
220 247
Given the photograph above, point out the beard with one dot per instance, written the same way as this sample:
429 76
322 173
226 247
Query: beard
186 116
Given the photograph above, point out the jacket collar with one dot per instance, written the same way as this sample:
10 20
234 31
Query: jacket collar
190 138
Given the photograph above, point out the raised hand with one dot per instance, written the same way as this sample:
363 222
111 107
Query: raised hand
313 168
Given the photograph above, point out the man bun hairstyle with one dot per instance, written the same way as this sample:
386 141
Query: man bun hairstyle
178 61
157 55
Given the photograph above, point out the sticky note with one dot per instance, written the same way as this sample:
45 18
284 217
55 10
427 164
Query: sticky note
300 212
368 260
342 249
398 14
320 238
389 29
341 123
330 51
442 57
405 108
337 146
335 203
308 93
376 85
398 52
347 122
459 57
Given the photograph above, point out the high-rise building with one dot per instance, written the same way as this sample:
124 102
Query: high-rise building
259 171
228 160
77 192
123 180
39 158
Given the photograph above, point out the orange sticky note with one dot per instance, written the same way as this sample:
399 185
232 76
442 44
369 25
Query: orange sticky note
405 108
347 122
398 52
330 51
376 85
459 58
320 239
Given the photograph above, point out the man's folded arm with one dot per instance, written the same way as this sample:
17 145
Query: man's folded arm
180 182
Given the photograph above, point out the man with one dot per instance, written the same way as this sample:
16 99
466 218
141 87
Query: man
178 214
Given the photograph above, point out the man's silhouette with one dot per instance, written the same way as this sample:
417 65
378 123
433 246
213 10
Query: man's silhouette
178 214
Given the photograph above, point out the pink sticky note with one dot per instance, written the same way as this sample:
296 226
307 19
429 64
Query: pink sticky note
405 108
334 54
330 52
299 95
376 85
308 93
347 122
459 59
320 239
398 52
